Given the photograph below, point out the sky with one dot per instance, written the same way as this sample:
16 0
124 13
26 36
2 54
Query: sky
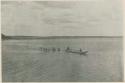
62 18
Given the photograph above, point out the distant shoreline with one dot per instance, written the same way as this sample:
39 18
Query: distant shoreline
56 37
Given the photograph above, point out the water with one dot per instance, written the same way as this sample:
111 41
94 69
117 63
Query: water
23 61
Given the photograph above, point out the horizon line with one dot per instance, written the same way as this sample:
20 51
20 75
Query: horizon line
63 36
58 37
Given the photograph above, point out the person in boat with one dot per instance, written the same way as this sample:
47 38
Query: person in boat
80 50
67 49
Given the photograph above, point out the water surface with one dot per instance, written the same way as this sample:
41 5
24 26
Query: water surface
23 61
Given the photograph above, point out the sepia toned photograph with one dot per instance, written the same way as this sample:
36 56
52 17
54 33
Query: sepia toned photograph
62 41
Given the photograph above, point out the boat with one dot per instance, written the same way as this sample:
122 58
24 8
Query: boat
77 52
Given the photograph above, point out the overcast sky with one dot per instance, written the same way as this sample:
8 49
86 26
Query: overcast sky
62 18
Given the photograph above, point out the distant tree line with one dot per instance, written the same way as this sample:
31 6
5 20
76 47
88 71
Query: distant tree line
4 36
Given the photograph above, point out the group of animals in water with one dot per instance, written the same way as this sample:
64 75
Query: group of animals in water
67 50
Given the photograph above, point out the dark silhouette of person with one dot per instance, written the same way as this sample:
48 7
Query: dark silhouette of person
53 49
45 49
58 49
48 50
41 48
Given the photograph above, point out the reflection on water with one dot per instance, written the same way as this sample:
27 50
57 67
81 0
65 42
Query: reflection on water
23 60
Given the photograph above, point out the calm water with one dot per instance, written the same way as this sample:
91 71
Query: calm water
22 60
